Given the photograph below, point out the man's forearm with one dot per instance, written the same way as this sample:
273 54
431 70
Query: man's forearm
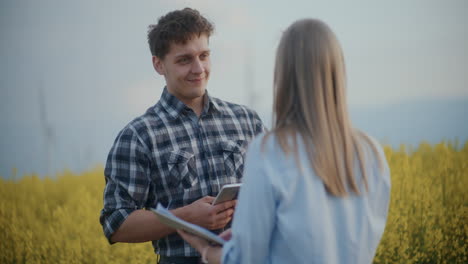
142 226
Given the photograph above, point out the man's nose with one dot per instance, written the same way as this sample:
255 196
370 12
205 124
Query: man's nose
197 67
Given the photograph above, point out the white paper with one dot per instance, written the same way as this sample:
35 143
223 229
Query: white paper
168 218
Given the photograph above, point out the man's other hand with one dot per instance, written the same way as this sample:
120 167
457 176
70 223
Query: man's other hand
202 213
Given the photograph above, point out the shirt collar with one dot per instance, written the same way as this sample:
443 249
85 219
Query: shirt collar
174 107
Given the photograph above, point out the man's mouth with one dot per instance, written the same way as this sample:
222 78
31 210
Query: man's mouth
195 80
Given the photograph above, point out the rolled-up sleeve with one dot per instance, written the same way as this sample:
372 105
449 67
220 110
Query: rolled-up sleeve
127 176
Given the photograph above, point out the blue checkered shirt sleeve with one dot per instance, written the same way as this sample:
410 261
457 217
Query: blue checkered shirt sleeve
127 183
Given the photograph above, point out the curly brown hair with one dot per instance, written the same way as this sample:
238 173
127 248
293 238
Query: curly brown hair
177 26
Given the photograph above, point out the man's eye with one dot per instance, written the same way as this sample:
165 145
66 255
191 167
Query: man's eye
184 60
204 56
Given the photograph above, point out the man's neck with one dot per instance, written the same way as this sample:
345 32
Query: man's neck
195 104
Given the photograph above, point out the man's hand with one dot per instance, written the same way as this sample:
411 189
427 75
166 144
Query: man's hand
202 213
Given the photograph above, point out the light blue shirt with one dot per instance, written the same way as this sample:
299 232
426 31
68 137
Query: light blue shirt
286 216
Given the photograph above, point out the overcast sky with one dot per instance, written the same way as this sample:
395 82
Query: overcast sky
91 61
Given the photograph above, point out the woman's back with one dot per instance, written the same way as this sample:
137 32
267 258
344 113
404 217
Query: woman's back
285 214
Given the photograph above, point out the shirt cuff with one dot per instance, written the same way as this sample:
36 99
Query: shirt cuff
111 221
228 253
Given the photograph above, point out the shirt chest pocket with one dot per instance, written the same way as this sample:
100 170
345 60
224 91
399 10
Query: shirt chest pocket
182 169
233 157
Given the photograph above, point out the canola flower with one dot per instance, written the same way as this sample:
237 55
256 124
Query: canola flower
428 217
56 220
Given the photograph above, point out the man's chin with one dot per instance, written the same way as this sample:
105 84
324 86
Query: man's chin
196 92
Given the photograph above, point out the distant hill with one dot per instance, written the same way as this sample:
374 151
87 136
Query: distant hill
413 122
410 122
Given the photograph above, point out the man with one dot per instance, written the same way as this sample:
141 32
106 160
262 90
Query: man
181 151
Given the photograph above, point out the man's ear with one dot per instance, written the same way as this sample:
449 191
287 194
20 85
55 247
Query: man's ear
158 65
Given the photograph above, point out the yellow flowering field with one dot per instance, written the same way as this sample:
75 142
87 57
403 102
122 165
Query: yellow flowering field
428 217
56 220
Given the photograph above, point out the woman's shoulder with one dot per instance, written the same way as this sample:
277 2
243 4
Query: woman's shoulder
265 143
375 158
267 149
369 144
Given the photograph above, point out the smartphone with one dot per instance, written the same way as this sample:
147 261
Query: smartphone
228 192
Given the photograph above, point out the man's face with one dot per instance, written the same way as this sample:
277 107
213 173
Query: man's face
186 68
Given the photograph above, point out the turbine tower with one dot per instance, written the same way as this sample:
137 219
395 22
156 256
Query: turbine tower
47 131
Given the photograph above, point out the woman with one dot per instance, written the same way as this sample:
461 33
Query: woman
315 190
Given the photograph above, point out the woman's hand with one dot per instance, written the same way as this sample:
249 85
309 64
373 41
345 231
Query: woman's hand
200 243
209 253
226 235
195 241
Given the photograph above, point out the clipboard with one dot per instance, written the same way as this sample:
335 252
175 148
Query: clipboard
169 219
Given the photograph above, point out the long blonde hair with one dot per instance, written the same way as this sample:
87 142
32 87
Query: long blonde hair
310 101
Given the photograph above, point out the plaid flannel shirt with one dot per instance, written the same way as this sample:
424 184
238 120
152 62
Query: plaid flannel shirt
172 157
